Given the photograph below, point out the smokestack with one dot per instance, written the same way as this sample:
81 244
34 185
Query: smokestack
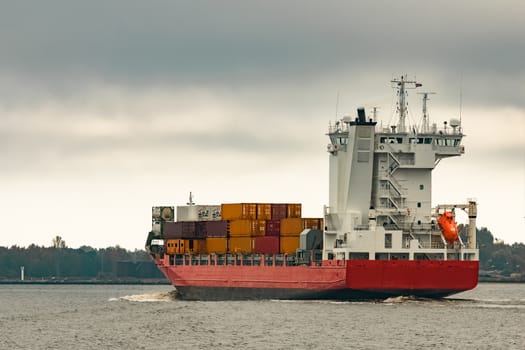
361 115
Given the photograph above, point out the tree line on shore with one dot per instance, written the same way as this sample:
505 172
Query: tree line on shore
59 261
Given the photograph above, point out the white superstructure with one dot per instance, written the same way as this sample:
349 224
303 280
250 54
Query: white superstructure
380 189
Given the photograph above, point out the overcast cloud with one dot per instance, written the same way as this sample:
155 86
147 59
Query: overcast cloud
112 100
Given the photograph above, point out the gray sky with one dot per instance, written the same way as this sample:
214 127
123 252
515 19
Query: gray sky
110 107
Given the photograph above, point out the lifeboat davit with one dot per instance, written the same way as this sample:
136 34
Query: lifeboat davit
448 227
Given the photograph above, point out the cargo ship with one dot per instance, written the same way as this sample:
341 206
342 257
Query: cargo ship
378 236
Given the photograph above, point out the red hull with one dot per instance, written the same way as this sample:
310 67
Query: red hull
353 279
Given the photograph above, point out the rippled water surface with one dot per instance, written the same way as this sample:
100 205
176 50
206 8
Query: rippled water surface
492 316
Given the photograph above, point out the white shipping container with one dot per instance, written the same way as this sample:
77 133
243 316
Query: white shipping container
209 212
198 212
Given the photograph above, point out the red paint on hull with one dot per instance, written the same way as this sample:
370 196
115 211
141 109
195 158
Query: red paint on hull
385 277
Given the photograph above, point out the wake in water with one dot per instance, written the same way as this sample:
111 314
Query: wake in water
150 297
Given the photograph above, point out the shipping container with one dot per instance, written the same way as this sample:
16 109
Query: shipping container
266 245
313 223
216 228
279 211
172 230
185 230
172 246
259 228
175 246
288 244
198 212
240 245
273 227
291 226
239 211
293 211
264 211
162 213
216 245
195 246
246 227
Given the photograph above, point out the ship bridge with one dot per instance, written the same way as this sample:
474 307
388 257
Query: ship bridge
380 186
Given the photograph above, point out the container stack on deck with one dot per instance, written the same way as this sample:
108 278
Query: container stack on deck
238 228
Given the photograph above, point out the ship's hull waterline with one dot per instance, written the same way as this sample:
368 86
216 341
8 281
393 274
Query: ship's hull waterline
350 280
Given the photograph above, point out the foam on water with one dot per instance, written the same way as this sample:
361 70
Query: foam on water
148 297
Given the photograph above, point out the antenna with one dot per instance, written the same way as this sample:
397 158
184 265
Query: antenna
425 127
190 201
401 85
374 113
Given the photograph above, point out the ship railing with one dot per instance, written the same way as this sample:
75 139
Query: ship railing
431 245
239 259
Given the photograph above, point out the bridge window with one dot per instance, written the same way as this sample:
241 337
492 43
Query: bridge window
388 240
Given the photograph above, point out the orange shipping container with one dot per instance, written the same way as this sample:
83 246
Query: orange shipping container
174 246
294 211
264 211
291 226
239 211
288 244
240 245
313 223
247 227
195 246
217 245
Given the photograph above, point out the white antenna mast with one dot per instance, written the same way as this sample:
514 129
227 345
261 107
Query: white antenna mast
401 85
425 127
374 113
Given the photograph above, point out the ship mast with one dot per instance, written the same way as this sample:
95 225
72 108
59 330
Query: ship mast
401 85
425 127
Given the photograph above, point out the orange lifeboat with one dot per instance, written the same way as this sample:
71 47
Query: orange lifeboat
448 227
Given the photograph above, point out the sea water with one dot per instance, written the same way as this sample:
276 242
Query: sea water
492 316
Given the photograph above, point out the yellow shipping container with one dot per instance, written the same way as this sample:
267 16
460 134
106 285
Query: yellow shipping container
217 245
288 244
264 211
239 211
195 246
240 245
291 226
313 223
259 228
247 227
294 210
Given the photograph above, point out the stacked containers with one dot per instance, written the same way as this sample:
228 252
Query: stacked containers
216 237
245 228
241 226
291 228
